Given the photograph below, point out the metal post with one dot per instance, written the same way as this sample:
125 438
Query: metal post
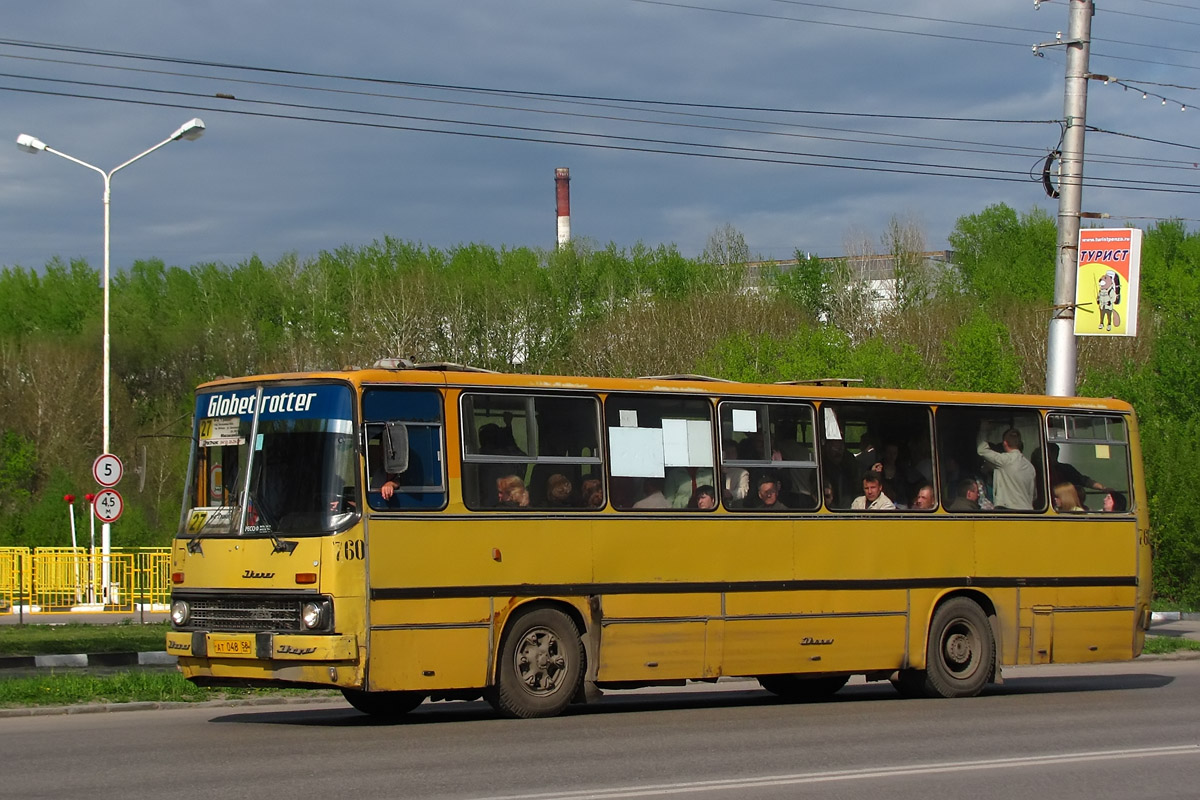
1060 350
20 588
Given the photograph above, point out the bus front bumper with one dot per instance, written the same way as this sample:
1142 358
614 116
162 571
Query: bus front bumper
262 646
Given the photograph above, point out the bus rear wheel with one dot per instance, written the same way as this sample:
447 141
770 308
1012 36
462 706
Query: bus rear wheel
960 655
385 705
540 665
799 689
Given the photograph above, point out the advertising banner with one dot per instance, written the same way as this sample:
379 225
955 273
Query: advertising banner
1106 281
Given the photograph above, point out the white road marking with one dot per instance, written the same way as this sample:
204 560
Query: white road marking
869 773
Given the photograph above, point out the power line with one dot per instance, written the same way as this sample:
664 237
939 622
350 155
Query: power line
664 147
511 92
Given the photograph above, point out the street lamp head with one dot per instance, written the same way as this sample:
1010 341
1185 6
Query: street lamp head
31 144
190 130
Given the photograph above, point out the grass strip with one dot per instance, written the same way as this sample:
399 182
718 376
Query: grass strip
64 689
122 637
1160 645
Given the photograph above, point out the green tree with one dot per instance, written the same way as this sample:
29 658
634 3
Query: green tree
1002 254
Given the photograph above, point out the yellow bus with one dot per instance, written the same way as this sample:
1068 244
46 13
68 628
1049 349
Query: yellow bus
430 531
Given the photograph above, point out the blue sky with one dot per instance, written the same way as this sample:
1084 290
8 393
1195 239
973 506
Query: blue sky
872 103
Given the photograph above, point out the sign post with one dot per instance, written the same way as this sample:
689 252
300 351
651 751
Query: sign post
107 506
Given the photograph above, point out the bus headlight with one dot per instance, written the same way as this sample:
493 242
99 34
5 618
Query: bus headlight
181 612
315 614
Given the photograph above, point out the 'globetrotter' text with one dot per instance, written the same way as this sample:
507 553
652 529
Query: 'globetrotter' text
220 405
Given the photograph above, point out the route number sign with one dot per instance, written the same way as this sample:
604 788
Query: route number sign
108 505
107 470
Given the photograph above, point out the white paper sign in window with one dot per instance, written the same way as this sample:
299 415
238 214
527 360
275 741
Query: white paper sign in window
636 452
687 443
745 420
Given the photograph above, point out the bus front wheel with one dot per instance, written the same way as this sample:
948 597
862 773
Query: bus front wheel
540 665
960 655
385 705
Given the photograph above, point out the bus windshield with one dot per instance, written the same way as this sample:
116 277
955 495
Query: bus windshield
272 460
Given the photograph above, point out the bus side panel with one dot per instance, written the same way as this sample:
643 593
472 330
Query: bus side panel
816 644
429 658
814 631
410 638
651 651
1090 635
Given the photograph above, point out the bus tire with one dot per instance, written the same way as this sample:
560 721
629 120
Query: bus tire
385 705
799 689
540 665
961 652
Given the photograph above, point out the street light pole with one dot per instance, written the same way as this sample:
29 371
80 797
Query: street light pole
190 130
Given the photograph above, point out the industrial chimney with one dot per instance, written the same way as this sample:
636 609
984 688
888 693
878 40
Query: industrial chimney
562 195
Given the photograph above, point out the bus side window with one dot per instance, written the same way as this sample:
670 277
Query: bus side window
422 486
531 452
1088 454
891 443
768 441
1001 449
660 450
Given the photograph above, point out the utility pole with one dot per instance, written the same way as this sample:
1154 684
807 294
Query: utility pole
1060 350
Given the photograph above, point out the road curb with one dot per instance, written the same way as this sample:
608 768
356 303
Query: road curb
1174 616
112 708
146 658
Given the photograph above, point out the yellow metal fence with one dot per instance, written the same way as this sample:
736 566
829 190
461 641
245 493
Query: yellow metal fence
58 579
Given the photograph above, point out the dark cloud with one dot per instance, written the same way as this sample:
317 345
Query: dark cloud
259 185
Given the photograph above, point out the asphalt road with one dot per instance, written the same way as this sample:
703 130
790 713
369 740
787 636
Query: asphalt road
1103 731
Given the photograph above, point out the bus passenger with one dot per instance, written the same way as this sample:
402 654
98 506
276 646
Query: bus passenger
967 496
559 491
1061 472
1115 501
593 493
735 480
923 499
511 492
872 498
704 498
1014 478
768 494
654 497
682 482
1066 498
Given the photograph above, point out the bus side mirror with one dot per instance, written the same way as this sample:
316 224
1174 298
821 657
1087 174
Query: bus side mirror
395 448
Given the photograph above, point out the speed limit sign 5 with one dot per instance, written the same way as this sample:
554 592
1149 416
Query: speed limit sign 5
107 470
108 505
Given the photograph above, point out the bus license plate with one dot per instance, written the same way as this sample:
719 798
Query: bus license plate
237 646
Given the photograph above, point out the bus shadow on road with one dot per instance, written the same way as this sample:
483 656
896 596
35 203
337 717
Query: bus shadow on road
640 702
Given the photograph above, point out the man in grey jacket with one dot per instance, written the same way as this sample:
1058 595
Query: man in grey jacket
1014 477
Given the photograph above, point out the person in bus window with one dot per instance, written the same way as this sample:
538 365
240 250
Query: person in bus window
768 494
735 480
511 492
924 500
840 472
872 498
559 491
653 497
1013 480
1066 498
1115 501
593 493
682 482
966 497
1061 472
704 498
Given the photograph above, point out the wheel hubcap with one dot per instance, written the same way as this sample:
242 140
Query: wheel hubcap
539 661
959 648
